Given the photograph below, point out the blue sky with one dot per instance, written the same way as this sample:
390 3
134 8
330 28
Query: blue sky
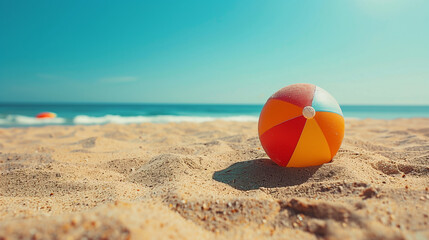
362 52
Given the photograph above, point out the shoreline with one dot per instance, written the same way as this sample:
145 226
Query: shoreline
200 119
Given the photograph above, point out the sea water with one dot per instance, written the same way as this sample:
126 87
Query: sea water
18 115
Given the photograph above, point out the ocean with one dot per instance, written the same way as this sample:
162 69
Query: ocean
19 115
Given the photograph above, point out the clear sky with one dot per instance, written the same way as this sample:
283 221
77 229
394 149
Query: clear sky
220 51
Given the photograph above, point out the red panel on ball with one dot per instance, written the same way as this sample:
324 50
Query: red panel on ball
299 94
280 141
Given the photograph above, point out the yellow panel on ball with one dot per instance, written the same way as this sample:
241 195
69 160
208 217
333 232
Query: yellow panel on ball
312 148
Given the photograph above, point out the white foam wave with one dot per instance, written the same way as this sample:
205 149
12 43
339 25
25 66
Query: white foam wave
83 119
19 120
25 120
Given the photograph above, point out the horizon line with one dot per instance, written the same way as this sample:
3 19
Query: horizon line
184 103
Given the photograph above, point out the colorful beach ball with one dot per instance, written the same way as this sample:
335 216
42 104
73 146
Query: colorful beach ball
301 125
46 115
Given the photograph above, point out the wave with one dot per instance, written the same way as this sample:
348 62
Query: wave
83 119
25 120
19 120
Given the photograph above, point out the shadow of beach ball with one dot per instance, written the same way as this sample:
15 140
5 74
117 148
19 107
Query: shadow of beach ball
301 125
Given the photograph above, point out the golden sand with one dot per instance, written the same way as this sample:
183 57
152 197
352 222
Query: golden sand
210 181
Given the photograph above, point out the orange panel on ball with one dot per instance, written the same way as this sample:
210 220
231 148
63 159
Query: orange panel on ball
280 141
332 125
312 148
275 112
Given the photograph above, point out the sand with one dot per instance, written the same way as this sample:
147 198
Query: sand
210 181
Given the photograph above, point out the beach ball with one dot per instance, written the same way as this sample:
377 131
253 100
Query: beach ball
301 125
46 115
